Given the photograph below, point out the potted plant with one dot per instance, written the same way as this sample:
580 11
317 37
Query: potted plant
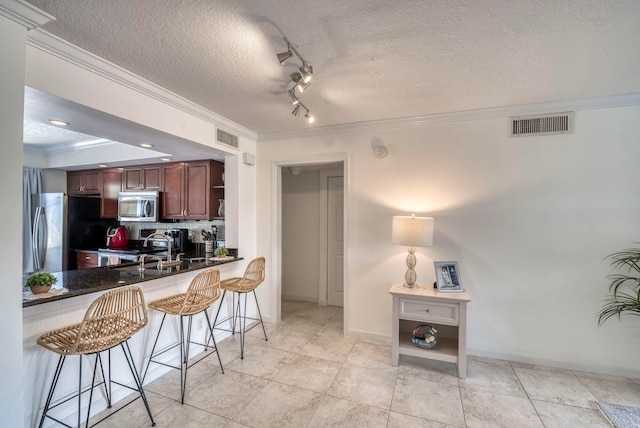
221 252
40 282
624 287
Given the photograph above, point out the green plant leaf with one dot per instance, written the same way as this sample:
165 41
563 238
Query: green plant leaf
624 288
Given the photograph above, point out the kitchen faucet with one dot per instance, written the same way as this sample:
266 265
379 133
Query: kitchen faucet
169 262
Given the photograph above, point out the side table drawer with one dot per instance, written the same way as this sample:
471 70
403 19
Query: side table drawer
444 313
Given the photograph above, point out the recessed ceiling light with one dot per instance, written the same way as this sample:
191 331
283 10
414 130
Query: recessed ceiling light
103 165
146 145
166 159
58 122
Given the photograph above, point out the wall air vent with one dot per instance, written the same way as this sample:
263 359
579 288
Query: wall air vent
545 124
226 138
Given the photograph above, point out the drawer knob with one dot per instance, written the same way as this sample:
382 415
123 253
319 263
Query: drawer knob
89 258
426 310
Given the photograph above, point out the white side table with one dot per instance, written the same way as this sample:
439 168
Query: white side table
447 312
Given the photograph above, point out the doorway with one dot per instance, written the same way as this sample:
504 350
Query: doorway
312 236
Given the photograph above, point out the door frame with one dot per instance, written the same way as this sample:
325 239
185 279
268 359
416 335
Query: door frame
323 285
276 204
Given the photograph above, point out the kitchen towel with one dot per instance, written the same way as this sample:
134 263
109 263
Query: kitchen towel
113 260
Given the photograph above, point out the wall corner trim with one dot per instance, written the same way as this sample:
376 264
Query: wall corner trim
24 13
60 48
605 102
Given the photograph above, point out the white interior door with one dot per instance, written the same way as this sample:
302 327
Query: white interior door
335 241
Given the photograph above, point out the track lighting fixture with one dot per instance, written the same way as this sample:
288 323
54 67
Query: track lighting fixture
300 79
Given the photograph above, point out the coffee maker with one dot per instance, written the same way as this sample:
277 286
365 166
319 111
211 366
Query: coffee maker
180 239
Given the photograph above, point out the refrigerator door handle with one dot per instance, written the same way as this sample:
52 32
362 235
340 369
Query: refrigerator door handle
39 239
34 239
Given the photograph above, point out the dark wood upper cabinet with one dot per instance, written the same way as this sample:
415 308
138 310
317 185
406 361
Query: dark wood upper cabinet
188 190
83 182
217 181
173 191
110 187
146 177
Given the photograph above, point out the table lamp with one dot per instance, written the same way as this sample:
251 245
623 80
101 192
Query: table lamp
414 232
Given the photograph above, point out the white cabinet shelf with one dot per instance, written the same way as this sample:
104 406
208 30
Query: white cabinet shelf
447 312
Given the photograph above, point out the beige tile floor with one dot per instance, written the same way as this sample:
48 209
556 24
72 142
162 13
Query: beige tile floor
308 374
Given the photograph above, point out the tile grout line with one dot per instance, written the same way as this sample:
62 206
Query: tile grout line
527 393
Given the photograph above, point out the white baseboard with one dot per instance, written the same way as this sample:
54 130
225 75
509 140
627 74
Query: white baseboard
299 298
566 365
628 372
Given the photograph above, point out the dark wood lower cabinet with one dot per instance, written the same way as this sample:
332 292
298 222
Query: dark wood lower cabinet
87 260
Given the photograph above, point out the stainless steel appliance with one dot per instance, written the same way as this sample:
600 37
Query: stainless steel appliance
177 238
53 240
129 255
138 206
157 246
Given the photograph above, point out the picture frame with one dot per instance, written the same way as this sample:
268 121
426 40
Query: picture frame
448 277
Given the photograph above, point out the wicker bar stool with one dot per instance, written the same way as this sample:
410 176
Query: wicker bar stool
203 291
110 321
253 276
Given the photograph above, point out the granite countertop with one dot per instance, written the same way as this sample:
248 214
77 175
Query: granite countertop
86 281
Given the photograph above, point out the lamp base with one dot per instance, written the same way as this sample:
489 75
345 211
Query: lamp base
410 277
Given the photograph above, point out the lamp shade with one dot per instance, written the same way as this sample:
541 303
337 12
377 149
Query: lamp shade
412 231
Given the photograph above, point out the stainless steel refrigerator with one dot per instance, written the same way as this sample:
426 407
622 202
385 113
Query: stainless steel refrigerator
63 224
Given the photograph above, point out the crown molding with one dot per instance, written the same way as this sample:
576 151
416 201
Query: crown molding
24 13
612 101
64 50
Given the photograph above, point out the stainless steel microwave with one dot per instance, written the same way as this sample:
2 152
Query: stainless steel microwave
139 206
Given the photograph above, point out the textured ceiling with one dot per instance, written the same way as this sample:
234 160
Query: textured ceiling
372 59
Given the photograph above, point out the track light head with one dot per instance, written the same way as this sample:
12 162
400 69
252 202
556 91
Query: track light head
298 79
283 57
310 118
302 86
295 109
306 72
292 95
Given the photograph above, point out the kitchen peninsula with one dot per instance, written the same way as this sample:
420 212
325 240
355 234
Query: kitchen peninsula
80 282
84 287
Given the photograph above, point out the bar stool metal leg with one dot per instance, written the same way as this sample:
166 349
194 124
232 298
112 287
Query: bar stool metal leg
215 345
260 315
54 382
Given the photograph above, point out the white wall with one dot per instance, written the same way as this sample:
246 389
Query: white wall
529 220
11 117
300 235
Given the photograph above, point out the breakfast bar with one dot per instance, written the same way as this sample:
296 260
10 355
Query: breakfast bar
81 282
84 286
